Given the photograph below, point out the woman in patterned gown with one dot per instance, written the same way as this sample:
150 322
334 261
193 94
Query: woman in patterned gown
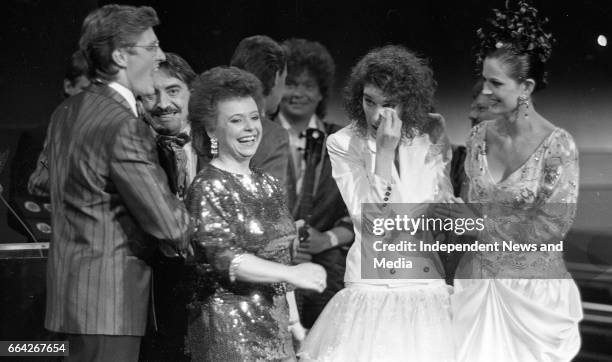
243 232
523 172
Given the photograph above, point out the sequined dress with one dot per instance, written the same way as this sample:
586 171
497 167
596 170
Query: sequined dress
520 306
234 214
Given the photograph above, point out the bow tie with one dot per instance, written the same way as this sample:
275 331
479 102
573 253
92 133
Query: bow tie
179 140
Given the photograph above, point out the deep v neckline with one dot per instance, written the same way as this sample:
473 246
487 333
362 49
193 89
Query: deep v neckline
521 166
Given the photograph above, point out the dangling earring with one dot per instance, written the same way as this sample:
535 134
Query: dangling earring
214 146
523 100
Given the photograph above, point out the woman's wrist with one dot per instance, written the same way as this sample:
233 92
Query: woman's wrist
287 274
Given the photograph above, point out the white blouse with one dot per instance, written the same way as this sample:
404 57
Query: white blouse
422 178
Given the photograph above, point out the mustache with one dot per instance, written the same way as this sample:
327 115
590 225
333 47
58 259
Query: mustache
158 111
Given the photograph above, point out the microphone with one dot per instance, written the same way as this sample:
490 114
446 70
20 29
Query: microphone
25 226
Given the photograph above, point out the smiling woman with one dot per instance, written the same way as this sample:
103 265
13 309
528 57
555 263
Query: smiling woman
243 232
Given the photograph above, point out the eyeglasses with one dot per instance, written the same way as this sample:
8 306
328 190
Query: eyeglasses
151 48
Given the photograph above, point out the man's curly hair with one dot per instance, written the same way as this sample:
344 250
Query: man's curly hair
403 77
313 57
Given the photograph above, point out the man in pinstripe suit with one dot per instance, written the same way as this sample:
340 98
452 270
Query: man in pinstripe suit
111 204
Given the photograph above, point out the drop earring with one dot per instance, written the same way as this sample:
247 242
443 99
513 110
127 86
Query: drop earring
214 146
523 100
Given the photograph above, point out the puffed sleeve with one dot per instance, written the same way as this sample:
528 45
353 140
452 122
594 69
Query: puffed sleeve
356 183
558 193
215 236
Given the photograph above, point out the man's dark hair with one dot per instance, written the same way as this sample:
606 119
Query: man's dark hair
177 67
262 56
76 67
313 57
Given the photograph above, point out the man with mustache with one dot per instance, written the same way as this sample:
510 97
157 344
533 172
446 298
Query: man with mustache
166 110
111 205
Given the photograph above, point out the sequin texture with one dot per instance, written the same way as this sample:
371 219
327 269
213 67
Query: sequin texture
232 215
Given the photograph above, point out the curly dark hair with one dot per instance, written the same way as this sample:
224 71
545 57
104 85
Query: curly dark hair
516 37
211 87
403 77
313 57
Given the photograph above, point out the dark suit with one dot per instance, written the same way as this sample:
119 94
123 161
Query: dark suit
110 198
272 155
328 212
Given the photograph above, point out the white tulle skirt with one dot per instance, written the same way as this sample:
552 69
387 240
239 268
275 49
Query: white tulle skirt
519 320
366 322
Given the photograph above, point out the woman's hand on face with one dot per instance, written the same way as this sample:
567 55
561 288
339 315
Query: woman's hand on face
308 276
389 131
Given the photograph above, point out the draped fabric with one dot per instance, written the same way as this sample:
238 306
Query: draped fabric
520 306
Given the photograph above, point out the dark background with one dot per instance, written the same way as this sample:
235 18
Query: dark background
38 36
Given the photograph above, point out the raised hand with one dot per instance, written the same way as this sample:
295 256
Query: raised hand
389 131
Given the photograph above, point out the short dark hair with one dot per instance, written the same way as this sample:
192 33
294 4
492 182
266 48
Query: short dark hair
313 57
111 27
262 56
403 77
76 67
211 87
177 67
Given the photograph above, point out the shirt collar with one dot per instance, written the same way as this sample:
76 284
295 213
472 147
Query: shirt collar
187 129
125 93
313 123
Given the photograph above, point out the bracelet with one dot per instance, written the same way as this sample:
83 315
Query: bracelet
233 268
333 238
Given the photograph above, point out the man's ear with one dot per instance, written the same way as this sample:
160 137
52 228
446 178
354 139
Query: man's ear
68 88
119 56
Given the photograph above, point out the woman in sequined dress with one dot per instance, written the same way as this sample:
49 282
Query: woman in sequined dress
393 153
243 232
523 171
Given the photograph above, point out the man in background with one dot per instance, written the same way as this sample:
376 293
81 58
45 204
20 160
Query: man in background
265 58
166 110
313 193
76 79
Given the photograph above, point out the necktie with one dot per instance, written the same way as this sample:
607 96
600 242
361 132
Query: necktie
173 160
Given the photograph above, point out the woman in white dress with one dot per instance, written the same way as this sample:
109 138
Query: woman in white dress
392 152
518 306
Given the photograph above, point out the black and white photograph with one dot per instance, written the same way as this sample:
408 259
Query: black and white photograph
316 181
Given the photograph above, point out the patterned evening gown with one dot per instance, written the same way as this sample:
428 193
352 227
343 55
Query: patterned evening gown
520 306
234 214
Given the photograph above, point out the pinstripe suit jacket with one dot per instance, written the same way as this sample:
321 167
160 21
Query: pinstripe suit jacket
110 205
